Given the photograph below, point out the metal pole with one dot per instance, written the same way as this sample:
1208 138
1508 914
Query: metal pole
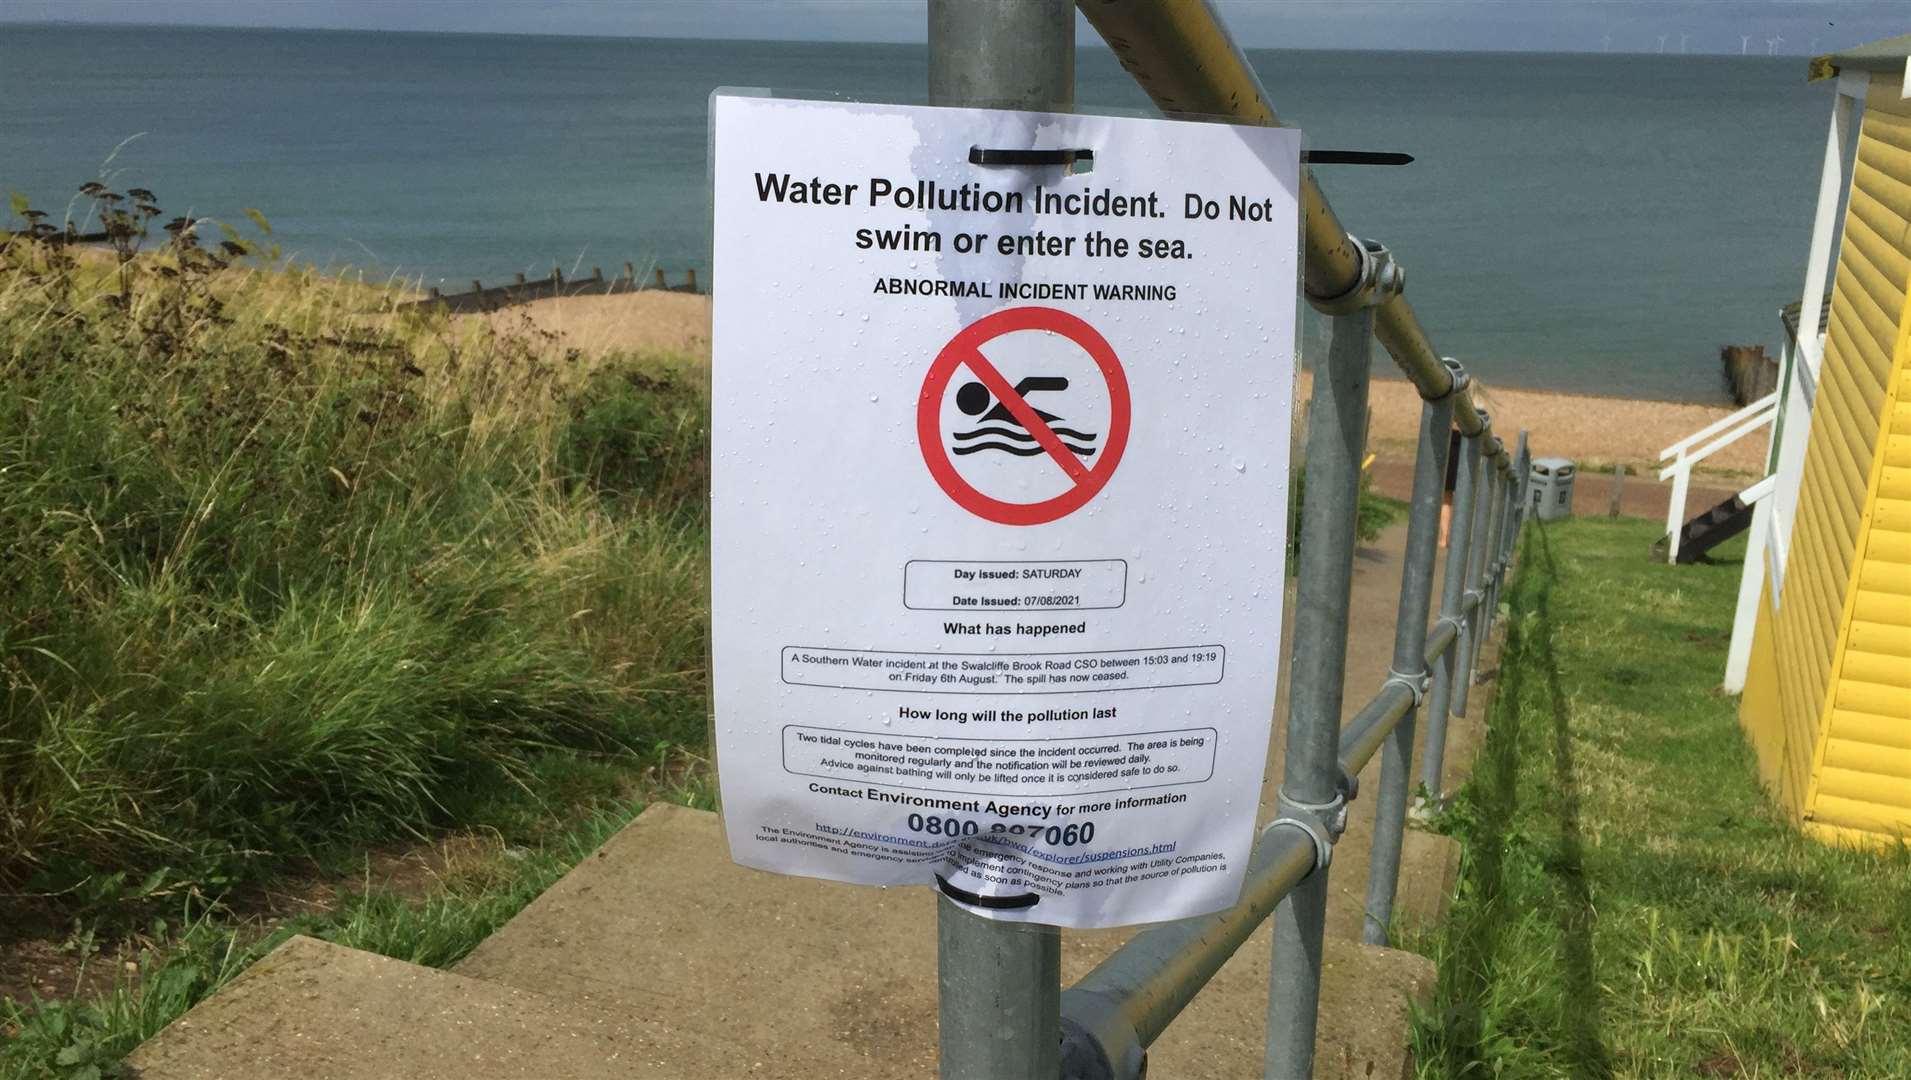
1452 611
999 982
1502 516
1490 568
1002 54
1000 991
1502 507
1510 524
1523 466
1311 793
1409 663
1477 551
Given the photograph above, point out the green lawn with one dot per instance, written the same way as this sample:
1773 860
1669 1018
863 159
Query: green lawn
1631 903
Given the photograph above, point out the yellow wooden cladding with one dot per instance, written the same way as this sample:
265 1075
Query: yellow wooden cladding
1827 701
1873 668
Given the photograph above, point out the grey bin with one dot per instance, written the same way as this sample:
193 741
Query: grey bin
1551 488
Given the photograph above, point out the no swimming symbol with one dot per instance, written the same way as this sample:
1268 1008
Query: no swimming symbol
1005 421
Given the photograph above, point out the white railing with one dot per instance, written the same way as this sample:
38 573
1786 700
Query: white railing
1739 657
1694 448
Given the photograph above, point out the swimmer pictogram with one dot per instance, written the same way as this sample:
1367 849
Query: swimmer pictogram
997 423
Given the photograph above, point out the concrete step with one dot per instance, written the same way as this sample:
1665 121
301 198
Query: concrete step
312 1010
820 979
827 980
658 957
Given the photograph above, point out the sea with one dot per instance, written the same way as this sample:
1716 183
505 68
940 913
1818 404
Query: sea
1586 223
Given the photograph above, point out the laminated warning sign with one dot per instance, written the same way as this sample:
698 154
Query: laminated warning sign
1000 434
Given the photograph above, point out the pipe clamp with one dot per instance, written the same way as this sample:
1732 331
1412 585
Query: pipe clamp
1316 832
1458 379
1322 822
1414 681
1379 280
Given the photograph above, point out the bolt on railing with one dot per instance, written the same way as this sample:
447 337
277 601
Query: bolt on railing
1003 1016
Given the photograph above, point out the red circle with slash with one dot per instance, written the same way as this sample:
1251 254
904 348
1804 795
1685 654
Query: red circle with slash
964 350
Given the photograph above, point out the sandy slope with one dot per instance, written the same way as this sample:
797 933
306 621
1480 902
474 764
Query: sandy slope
643 322
1594 431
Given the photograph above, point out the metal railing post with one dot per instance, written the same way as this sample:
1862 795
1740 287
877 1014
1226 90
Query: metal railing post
999 983
1452 610
1501 506
1502 517
1487 574
1515 514
1312 796
1409 663
1503 479
1002 54
999 987
1478 550
1495 534
1525 467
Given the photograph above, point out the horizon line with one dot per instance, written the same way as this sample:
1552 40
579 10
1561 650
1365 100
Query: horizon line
1095 42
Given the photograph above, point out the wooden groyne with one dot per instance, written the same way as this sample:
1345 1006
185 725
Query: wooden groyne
482 297
1749 374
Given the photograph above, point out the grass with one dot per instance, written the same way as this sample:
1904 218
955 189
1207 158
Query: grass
290 573
60 1040
1631 902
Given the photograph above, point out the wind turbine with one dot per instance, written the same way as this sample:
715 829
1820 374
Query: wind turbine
1682 38
1662 38
1772 44
1744 43
1608 41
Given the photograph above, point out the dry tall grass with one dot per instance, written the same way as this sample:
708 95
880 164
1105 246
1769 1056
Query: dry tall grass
287 564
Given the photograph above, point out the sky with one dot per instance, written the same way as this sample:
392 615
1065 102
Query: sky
1789 27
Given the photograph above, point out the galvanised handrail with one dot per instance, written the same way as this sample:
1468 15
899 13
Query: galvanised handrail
1001 1003
1183 57
1116 1011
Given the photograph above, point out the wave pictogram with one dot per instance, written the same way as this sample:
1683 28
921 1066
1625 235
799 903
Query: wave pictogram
1074 440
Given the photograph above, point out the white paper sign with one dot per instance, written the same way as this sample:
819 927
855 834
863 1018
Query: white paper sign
999 499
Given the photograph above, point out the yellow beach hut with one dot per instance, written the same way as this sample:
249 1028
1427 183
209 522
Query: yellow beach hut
1822 637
